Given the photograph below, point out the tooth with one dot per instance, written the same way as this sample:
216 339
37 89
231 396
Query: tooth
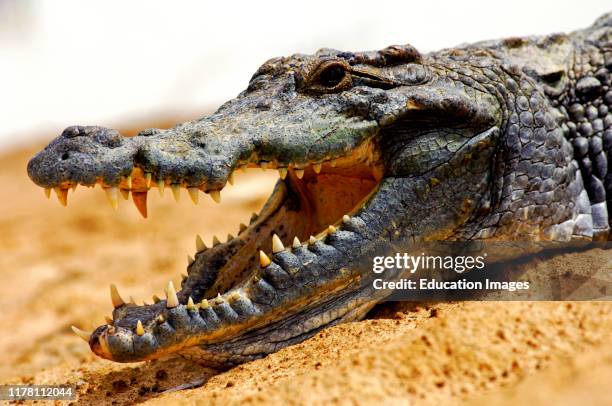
139 328
83 334
190 260
200 246
148 179
263 165
115 297
331 229
333 163
264 261
125 193
312 240
346 218
282 172
160 186
140 201
132 301
47 193
299 173
253 218
242 227
204 304
112 195
190 304
216 195
160 319
128 181
156 299
230 237
218 299
277 244
108 320
62 195
215 241
176 191
74 186
230 178
234 296
172 298
193 193
316 168
296 242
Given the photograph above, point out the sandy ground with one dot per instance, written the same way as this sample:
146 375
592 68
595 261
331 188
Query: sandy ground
56 265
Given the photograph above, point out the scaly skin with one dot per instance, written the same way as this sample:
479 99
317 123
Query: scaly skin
498 140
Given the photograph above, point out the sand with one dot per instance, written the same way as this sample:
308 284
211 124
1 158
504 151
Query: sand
57 263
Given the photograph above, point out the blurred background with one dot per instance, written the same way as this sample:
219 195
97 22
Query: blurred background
118 62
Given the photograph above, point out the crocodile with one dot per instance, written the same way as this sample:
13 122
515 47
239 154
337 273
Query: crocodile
498 140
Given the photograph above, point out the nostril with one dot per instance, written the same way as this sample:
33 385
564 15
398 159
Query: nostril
65 156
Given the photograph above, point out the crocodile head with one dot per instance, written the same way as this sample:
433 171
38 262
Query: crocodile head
374 146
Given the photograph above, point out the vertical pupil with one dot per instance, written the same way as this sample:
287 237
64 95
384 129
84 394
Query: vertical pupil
332 76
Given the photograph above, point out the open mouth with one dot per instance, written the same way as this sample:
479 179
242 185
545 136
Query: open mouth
310 202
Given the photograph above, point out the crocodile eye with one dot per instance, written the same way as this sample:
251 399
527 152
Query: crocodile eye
330 76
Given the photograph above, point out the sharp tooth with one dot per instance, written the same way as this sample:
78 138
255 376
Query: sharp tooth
230 178
333 163
299 173
160 319
83 334
264 261
312 240
172 298
253 218
234 296
115 297
216 195
204 304
148 177
140 201
296 242
193 193
112 195
346 218
108 320
139 328
156 299
190 260
277 244
215 241
74 186
125 193
331 229
282 172
62 195
263 165
230 237
161 185
176 191
128 181
190 304
242 227
218 299
316 168
200 246
47 193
